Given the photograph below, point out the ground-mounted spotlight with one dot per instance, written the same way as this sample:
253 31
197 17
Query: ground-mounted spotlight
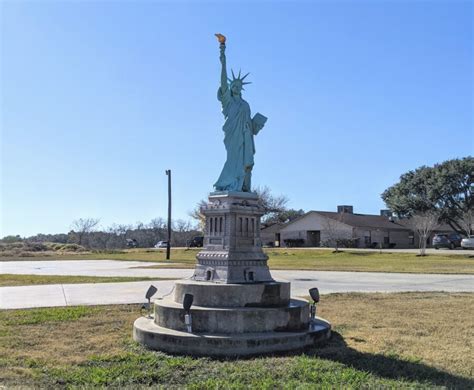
187 303
147 306
314 293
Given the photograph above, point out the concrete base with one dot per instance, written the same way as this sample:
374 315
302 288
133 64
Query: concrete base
270 294
234 320
237 309
147 332
231 320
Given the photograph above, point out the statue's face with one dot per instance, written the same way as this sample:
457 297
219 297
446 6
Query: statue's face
236 88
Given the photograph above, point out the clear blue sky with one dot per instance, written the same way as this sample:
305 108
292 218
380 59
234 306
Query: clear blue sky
99 98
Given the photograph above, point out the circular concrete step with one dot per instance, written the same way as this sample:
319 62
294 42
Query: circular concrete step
148 333
293 317
211 294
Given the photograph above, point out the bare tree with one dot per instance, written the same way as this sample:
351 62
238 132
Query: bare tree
467 222
272 204
82 226
198 216
332 229
157 224
98 239
158 229
180 225
423 224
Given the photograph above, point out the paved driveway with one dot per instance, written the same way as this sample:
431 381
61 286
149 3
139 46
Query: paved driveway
133 292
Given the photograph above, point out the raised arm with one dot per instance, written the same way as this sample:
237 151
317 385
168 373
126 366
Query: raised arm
224 69
221 38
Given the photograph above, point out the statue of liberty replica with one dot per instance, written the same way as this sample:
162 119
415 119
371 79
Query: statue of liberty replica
239 129
232 306
232 250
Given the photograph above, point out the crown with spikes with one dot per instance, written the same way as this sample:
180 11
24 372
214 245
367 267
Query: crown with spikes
238 78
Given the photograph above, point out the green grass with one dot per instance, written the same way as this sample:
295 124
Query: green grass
303 259
406 340
28 280
148 369
347 260
44 316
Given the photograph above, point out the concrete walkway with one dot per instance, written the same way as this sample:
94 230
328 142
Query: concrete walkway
134 292
91 268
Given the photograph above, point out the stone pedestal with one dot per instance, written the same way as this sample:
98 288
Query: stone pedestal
238 309
232 246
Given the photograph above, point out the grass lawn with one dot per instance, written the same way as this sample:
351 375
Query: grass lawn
28 280
348 260
409 340
303 259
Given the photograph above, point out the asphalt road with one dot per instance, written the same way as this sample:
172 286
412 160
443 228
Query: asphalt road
133 292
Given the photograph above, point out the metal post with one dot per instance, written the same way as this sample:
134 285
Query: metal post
168 173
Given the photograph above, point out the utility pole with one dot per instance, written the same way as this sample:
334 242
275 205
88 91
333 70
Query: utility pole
168 173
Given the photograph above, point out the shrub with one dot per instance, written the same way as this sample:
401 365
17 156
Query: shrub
72 248
35 247
294 242
12 246
348 242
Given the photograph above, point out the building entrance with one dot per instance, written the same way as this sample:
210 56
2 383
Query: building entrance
313 238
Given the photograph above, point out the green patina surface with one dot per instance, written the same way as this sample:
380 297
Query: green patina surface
239 131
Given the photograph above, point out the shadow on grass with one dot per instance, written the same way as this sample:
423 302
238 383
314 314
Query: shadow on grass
389 367
359 254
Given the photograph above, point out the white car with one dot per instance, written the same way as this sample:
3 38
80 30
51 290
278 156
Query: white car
468 243
162 244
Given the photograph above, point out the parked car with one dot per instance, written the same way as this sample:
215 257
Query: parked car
468 242
196 242
131 243
447 240
162 244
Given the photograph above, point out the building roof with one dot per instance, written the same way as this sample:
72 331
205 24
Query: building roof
442 227
272 227
368 221
363 220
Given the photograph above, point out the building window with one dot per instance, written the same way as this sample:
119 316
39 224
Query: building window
411 238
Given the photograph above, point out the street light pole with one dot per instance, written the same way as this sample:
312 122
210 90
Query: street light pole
168 246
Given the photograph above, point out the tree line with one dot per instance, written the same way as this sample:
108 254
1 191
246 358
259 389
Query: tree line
429 196
423 198
87 233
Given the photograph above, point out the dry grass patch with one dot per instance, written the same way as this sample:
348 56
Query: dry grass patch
60 337
29 280
406 340
436 329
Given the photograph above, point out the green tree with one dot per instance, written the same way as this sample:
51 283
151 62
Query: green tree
445 188
11 239
282 216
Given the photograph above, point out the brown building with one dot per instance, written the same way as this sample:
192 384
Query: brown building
322 228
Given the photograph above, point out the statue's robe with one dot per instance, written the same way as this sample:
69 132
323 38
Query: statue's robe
238 141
